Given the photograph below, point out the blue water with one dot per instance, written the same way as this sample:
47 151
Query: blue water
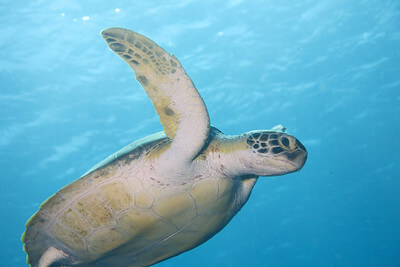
327 70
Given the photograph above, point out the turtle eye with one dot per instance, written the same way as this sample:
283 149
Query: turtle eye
288 142
285 142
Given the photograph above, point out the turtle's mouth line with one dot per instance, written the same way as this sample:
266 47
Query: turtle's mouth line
288 166
297 162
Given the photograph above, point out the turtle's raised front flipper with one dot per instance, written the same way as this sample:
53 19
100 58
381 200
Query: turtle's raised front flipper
180 107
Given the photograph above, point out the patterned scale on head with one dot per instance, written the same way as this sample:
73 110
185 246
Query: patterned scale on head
273 142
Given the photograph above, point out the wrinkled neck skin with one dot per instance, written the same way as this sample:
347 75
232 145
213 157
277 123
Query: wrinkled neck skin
227 156
223 157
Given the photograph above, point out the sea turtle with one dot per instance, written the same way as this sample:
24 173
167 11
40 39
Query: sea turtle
166 193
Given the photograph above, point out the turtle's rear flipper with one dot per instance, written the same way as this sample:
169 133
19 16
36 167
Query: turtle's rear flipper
56 257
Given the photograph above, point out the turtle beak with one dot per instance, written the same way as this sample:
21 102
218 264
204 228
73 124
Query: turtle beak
297 157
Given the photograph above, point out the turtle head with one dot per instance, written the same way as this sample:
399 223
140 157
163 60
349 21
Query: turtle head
273 152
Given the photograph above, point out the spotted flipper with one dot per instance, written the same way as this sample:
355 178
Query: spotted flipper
181 109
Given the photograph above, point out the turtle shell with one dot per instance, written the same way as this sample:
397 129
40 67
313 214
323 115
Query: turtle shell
117 215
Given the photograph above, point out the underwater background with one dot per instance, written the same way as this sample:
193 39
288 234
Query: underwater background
329 71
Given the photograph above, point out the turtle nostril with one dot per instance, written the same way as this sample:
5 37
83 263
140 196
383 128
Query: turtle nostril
285 142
